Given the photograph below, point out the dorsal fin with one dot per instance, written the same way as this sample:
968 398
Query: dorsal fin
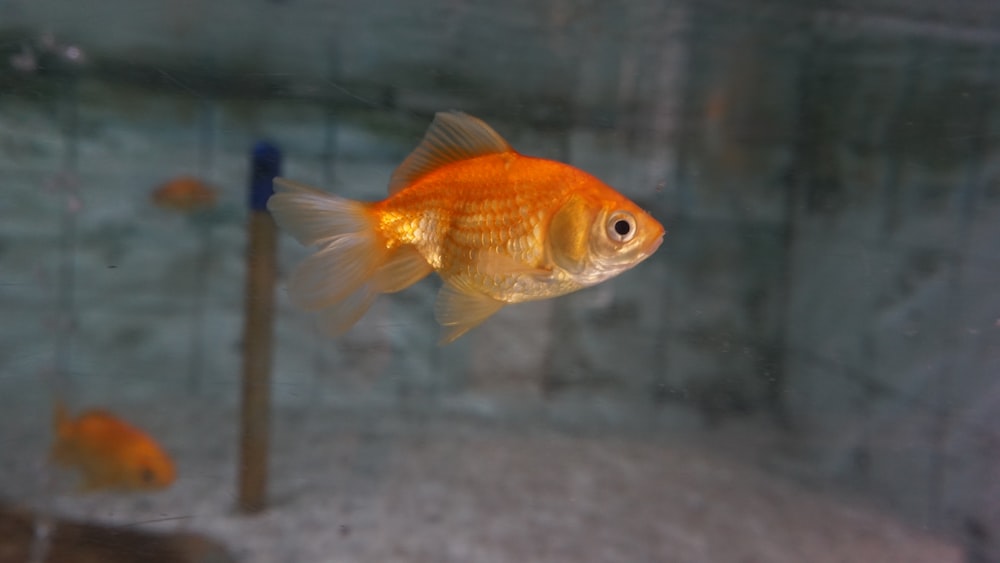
452 136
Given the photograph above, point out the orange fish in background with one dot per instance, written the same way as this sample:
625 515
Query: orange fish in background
497 226
110 453
185 194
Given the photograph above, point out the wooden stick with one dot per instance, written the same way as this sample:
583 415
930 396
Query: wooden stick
257 333
196 365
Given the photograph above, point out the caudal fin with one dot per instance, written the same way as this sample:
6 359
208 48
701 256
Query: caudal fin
353 264
334 279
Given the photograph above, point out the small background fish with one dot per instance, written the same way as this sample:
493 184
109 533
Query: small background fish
110 453
184 194
497 226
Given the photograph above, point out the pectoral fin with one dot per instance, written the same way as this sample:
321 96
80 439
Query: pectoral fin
459 309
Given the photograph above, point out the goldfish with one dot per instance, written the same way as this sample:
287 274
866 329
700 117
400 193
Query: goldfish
110 453
497 226
185 194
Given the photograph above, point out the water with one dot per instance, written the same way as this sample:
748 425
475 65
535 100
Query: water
803 370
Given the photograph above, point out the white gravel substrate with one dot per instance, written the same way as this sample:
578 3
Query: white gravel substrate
394 483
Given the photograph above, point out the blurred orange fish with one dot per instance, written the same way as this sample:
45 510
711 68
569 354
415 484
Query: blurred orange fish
109 452
185 194
497 226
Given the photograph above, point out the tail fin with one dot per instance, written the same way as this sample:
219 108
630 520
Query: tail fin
354 263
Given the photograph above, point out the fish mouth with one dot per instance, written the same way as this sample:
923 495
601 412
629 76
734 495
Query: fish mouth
653 245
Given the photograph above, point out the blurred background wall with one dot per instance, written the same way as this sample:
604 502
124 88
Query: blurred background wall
827 173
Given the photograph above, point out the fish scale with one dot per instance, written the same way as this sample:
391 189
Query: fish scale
497 226
488 219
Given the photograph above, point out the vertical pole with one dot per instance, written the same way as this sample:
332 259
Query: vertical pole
196 365
957 303
328 158
257 331
798 179
66 186
895 131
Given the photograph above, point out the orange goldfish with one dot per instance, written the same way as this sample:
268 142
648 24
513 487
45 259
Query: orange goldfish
109 452
497 226
184 194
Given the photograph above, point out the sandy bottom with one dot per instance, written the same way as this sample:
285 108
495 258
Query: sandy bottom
402 484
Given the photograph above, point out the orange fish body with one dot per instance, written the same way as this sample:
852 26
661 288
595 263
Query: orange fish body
497 226
184 194
109 452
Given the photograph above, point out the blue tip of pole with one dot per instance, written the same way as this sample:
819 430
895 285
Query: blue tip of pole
265 165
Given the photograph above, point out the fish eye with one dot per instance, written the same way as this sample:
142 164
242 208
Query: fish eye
621 226
147 475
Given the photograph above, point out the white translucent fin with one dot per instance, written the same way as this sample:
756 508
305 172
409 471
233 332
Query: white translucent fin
404 267
459 309
335 271
339 318
339 279
452 136
313 216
